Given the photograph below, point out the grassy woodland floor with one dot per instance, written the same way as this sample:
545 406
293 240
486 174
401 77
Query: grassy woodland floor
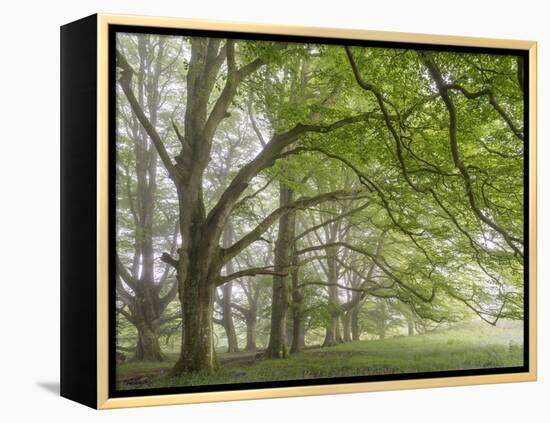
468 346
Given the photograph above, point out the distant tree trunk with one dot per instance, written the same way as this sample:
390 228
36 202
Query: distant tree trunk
350 319
333 335
298 332
277 346
251 320
351 309
355 330
227 318
346 326
410 327
227 288
148 345
146 308
250 314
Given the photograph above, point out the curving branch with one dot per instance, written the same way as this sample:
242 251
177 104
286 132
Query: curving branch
332 220
382 264
125 82
254 124
443 89
168 259
124 274
490 94
266 158
127 315
124 295
254 235
254 271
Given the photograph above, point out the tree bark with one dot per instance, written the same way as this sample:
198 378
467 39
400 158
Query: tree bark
298 331
346 326
277 346
251 320
298 342
148 345
333 335
227 288
197 350
227 318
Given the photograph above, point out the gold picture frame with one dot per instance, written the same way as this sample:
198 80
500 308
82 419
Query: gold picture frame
102 22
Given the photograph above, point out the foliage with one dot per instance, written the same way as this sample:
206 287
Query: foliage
404 174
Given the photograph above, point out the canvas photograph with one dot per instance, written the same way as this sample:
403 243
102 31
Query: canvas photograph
294 211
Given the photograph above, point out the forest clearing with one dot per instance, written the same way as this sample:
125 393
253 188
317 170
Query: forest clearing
290 210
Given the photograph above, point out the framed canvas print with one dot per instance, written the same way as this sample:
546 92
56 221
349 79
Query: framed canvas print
254 211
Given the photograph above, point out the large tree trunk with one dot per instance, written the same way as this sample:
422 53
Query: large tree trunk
147 345
277 346
197 350
199 267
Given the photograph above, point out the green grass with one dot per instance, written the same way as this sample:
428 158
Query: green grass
468 346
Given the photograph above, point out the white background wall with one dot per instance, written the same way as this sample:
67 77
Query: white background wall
29 210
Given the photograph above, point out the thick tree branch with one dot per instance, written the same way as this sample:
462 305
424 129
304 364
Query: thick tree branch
234 78
243 310
369 183
168 259
254 124
170 295
127 315
220 212
250 272
334 219
123 272
123 294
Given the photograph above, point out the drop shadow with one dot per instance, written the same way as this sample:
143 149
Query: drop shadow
51 387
